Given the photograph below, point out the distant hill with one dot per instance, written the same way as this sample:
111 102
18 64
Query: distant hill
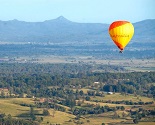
144 31
63 30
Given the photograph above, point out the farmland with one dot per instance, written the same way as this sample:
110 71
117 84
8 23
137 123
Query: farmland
13 107
75 93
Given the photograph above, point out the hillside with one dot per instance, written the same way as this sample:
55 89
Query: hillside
64 30
56 30
144 31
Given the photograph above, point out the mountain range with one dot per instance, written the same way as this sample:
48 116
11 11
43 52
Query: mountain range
63 30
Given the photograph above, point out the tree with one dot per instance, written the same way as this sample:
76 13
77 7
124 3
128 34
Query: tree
42 118
33 117
122 108
46 112
53 112
123 114
87 98
9 116
135 121
70 102
2 115
2 94
81 92
79 103
119 88
110 89
115 115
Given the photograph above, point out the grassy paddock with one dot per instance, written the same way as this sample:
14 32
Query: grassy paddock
83 89
57 117
12 106
98 120
141 123
120 97
106 104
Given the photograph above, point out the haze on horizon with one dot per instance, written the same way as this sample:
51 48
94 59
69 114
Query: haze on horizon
95 11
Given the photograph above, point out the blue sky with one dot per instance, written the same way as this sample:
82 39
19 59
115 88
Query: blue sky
92 11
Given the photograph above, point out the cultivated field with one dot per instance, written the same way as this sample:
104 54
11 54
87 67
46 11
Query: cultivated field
129 64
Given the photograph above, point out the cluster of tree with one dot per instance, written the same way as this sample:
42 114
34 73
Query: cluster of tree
32 114
47 104
92 110
8 120
95 93
37 84
126 102
59 80
61 69
141 113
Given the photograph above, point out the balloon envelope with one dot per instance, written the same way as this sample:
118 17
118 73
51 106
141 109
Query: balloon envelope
121 33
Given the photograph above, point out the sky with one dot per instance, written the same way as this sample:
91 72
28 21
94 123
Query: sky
86 11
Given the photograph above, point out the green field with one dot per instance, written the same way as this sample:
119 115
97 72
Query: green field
13 106
120 97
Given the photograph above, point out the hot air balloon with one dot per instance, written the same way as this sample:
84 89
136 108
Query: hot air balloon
121 33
